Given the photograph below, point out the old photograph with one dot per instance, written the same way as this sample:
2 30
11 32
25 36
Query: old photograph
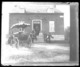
35 33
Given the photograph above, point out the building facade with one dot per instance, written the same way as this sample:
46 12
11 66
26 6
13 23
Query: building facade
47 23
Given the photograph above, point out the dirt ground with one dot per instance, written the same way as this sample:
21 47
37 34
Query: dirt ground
40 52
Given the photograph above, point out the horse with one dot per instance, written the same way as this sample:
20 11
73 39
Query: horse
12 40
23 38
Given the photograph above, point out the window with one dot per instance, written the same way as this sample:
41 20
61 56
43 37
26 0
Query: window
51 26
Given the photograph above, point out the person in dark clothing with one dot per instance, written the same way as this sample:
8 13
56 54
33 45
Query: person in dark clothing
49 37
33 36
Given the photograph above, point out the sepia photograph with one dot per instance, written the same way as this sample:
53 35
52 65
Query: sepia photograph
35 33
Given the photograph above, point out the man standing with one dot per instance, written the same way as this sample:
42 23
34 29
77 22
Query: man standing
33 36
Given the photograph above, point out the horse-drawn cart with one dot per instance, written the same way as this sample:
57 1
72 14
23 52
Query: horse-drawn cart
21 38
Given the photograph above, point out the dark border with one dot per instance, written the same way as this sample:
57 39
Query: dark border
74 17
74 46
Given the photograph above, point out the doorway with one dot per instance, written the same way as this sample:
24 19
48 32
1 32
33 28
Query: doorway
37 26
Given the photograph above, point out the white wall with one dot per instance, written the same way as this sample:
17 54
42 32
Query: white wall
66 10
